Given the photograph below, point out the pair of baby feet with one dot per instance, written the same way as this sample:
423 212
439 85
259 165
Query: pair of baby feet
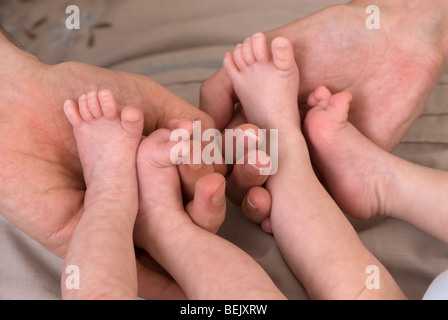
114 158
267 82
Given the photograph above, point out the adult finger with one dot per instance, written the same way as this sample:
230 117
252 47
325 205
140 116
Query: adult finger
208 208
256 207
238 140
190 174
253 171
194 167
238 118
158 104
217 98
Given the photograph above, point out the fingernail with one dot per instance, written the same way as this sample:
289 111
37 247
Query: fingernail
249 137
252 170
251 206
195 166
219 196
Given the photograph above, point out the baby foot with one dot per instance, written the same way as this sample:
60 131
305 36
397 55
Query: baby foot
161 210
266 83
353 168
159 183
107 142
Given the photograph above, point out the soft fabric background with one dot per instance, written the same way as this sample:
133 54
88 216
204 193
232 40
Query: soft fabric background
180 43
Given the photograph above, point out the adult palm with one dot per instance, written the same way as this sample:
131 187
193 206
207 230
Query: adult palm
42 186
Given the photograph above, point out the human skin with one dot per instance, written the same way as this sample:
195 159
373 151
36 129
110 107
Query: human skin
315 238
102 247
365 180
42 186
401 62
204 264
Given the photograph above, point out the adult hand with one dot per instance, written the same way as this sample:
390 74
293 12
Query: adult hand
390 71
248 174
42 187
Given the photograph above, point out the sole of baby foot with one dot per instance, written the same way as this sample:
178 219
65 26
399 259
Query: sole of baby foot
106 139
352 166
266 82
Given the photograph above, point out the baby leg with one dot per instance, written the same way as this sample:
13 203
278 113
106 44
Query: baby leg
364 179
102 247
197 259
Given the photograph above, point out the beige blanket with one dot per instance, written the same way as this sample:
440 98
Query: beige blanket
180 43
